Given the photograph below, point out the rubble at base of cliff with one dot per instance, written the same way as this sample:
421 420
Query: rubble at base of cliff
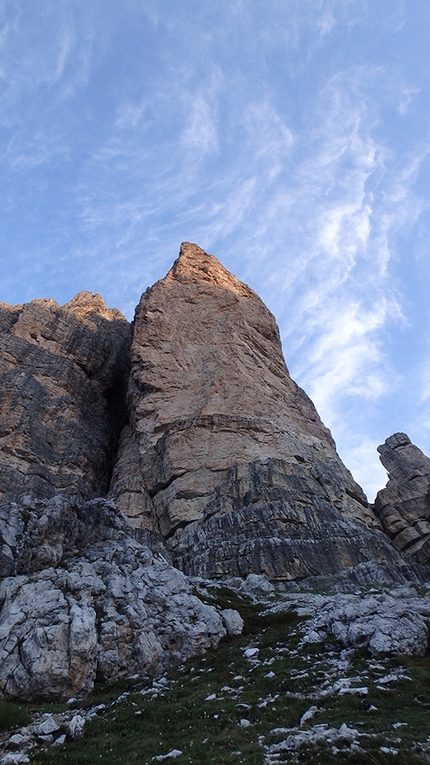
336 648
85 601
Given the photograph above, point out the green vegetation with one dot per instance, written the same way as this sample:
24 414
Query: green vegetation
13 715
222 707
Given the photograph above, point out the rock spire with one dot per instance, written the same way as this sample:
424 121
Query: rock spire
225 455
403 507
189 422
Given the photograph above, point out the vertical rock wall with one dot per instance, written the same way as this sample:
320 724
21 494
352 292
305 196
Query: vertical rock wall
222 457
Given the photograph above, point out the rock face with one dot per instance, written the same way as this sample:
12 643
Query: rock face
225 455
403 507
82 600
62 404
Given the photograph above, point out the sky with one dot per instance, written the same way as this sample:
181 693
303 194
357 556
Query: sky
289 138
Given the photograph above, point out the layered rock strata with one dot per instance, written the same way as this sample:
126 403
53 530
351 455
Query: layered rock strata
62 402
81 600
225 455
403 507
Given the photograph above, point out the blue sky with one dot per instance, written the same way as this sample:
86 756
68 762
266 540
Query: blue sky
290 138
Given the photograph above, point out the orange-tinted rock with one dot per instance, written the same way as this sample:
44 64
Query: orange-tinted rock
240 472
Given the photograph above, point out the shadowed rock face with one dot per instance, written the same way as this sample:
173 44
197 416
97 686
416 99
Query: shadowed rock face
62 400
225 455
403 507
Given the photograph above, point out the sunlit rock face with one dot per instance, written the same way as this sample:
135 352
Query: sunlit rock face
62 370
403 507
225 455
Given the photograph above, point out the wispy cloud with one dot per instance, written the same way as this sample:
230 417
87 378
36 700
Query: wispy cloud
249 128
407 96
321 207
200 133
65 46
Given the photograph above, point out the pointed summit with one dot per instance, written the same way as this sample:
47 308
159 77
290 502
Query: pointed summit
194 263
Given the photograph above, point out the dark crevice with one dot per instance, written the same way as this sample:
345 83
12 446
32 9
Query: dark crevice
178 527
117 419
165 485
189 494
358 498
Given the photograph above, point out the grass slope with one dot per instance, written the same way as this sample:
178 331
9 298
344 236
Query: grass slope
223 708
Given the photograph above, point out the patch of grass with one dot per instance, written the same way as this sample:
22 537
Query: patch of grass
13 715
325 756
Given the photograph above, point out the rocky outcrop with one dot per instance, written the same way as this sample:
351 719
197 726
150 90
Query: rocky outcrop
403 507
62 396
225 455
381 623
81 600
390 620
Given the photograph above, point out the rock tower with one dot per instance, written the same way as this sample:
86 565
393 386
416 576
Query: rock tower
225 456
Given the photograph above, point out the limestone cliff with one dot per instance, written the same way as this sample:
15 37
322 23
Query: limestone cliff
62 404
403 507
225 455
